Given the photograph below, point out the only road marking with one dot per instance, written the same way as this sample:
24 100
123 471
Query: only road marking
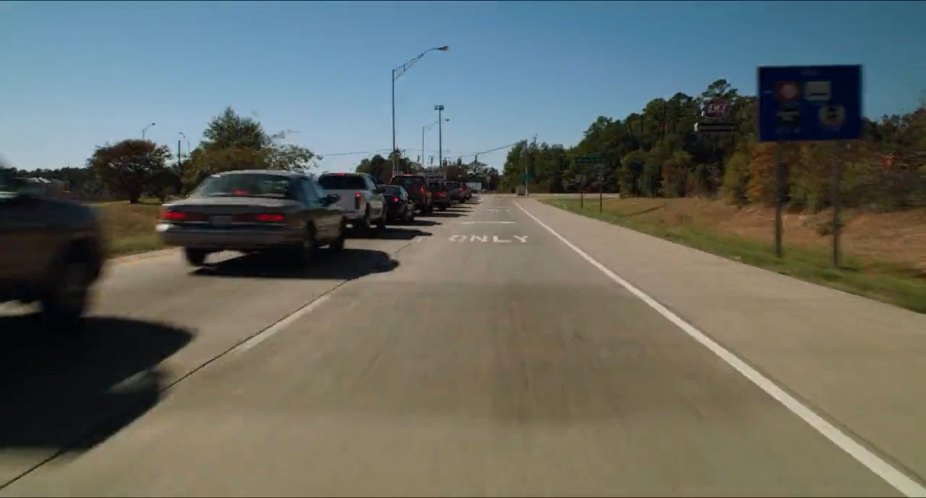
485 238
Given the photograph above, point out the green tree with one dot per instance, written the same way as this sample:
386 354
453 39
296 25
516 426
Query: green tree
233 142
128 167
229 131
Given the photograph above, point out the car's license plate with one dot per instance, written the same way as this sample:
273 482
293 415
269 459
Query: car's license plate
222 220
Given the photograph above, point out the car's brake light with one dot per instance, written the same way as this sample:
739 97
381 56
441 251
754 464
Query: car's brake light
422 190
270 218
395 200
356 200
171 215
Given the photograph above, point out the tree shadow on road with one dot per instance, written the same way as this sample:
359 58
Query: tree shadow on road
450 213
70 391
419 222
347 264
394 233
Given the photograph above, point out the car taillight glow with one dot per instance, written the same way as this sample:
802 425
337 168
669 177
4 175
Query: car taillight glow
356 200
422 190
270 218
171 215
395 200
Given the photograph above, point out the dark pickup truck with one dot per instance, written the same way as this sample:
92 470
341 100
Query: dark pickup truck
50 251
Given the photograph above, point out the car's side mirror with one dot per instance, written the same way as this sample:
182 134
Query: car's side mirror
332 198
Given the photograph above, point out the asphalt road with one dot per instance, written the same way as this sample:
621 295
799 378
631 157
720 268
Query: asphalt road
474 353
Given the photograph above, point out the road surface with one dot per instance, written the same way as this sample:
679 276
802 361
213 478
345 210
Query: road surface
500 348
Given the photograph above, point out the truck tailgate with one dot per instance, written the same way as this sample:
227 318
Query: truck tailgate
346 202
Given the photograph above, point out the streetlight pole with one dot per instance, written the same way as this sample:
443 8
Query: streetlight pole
424 129
145 129
396 74
187 142
440 136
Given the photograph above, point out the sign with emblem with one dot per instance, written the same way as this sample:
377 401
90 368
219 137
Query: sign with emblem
809 103
716 109
714 120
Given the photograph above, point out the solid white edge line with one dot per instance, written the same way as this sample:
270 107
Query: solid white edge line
891 475
278 326
488 222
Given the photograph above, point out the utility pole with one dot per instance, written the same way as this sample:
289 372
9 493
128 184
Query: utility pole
394 157
178 154
440 135
397 72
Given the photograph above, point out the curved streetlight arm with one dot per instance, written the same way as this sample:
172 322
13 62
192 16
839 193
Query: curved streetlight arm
432 125
400 70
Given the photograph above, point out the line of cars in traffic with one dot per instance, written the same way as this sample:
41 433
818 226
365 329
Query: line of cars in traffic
295 214
51 249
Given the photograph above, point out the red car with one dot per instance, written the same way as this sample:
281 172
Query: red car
418 189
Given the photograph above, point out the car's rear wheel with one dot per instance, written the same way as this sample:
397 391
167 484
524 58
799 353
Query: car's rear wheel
364 224
338 243
195 257
305 251
64 303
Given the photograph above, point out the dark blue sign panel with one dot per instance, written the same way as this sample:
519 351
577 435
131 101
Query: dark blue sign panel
810 103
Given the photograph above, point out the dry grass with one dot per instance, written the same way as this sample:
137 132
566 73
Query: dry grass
129 228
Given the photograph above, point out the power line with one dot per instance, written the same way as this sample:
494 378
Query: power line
336 154
496 149
449 151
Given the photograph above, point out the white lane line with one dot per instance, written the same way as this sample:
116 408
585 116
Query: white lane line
488 222
278 326
891 475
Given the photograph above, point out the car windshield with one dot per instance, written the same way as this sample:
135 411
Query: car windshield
246 185
342 182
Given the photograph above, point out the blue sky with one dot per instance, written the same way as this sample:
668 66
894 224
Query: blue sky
76 75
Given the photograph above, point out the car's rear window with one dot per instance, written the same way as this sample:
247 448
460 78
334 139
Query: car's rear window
407 181
393 189
247 185
345 182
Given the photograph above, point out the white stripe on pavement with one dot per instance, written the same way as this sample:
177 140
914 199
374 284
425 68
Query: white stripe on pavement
488 222
900 481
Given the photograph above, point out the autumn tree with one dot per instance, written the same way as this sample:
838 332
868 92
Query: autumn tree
128 167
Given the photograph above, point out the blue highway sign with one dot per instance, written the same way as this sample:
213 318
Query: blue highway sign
810 103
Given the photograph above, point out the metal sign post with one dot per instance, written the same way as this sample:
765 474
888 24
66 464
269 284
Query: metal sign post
837 201
780 184
601 188
810 103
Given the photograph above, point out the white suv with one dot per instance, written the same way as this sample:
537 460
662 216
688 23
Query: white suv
361 199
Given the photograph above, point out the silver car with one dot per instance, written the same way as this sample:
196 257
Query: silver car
254 210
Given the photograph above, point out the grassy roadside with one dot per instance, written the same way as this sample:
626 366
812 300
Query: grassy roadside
129 228
885 281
